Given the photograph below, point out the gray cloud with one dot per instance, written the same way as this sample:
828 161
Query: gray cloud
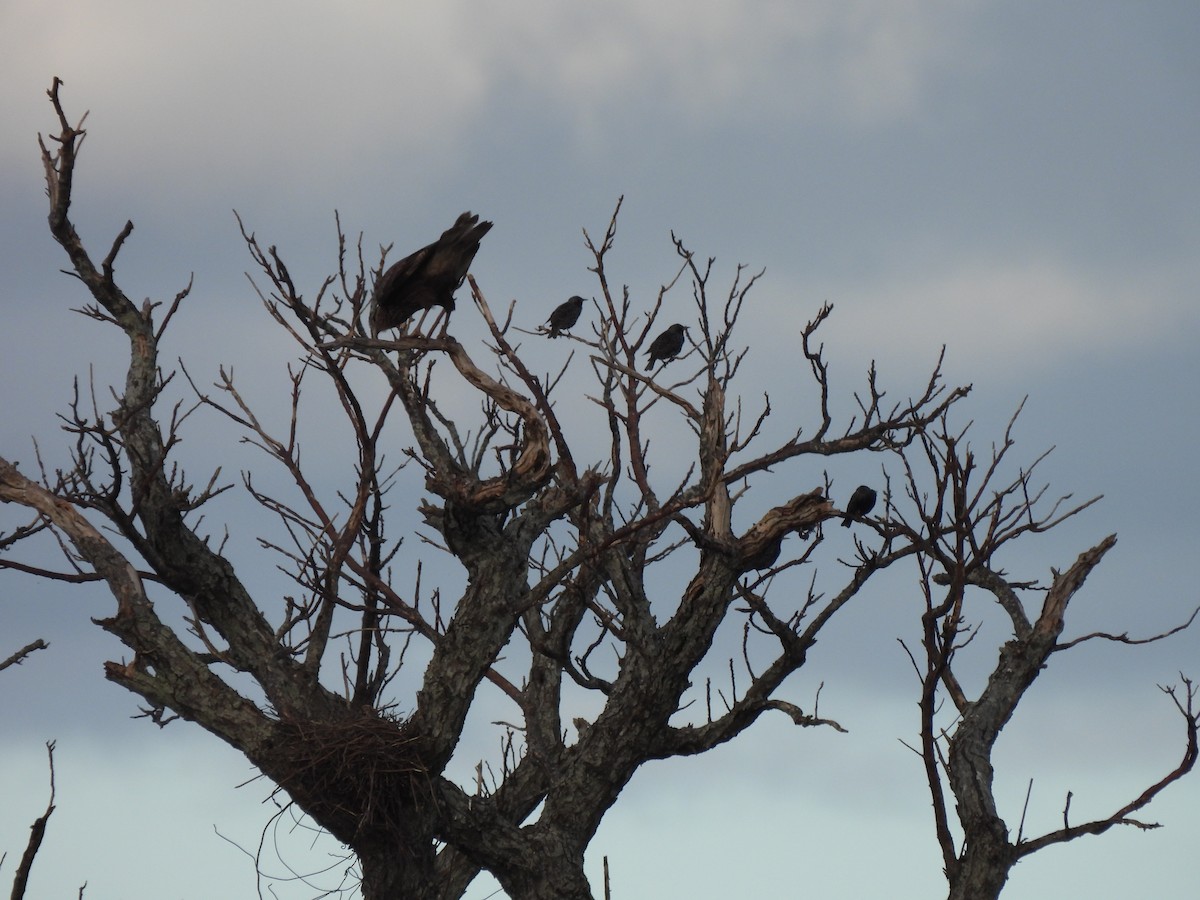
1015 181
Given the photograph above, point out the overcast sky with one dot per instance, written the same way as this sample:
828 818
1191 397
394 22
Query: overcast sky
1015 180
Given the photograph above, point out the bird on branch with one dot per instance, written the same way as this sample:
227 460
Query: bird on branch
766 557
564 316
862 501
427 278
666 346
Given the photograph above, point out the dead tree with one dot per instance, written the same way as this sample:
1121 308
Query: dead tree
571 559
966 513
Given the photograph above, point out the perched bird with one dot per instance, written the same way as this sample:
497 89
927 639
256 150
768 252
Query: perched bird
764 558
666 346
862 501
428 277
564 316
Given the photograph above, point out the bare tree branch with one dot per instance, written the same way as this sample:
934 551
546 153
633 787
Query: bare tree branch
37 833
19 657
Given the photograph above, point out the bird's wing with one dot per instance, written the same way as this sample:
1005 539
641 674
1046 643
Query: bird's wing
400 273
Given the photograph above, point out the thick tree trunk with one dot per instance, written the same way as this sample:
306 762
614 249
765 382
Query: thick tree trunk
986 856
984 865
559 883
553 871
390 873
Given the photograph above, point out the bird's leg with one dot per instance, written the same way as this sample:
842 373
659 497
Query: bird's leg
441 323
416 325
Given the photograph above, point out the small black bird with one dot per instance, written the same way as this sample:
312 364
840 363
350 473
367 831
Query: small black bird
564 316
666 346
862 501
429 277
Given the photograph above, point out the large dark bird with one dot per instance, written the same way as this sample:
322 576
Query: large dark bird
564 316
666 346
862 501
428 277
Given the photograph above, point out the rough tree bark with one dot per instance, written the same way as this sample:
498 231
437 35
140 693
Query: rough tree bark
555 553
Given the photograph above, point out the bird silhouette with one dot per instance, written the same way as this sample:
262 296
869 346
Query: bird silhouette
564 316
764 558
862 501
666 346
429 277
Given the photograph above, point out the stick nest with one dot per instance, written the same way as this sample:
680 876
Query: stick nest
359 776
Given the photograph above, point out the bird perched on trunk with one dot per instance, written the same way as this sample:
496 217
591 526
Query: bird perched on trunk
564 316
862 501
666 346
428 277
